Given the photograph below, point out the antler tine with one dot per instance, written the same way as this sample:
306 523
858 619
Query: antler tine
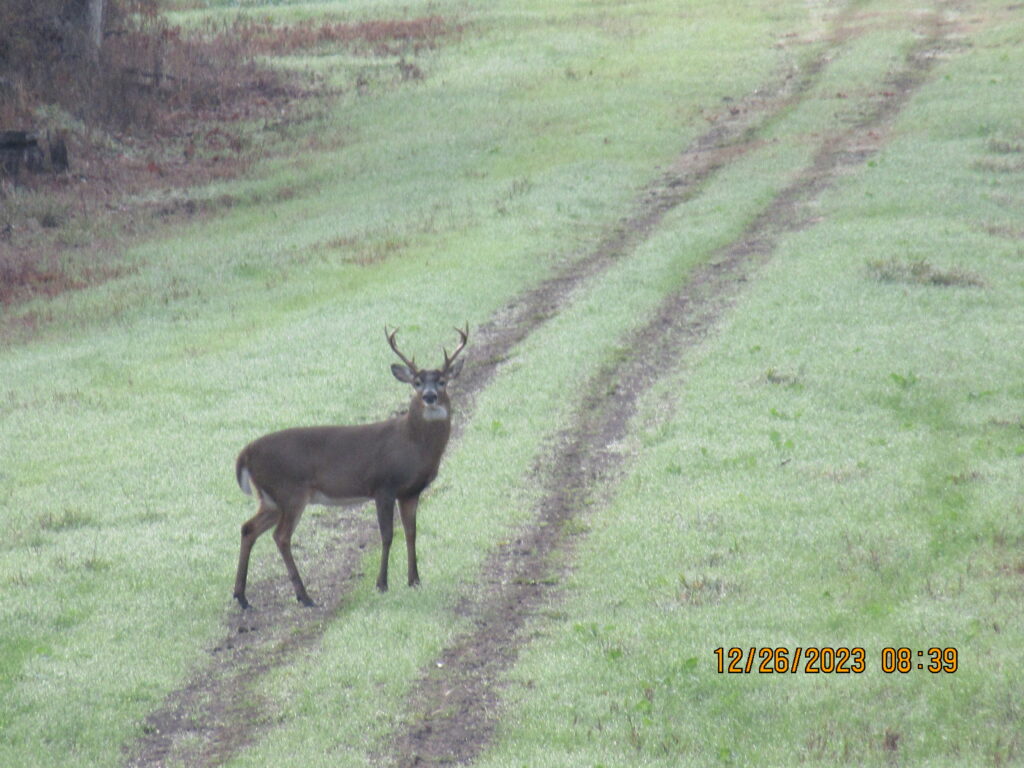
394 347
462 342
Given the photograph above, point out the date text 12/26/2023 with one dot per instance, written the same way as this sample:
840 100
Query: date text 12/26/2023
833 660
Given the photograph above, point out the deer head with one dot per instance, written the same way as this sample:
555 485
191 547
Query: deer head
430 385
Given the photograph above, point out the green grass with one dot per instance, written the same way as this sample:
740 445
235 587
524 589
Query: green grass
847 474
838 465
117 417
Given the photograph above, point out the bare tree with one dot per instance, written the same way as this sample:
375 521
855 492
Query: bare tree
94 27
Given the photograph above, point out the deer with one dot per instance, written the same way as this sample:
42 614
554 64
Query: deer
387 461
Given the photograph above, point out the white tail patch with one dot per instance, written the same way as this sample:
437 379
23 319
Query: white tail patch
245 481
249 487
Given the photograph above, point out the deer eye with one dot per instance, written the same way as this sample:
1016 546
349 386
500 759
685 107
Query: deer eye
417 382
441 383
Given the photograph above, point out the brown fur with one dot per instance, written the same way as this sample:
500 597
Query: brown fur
387 461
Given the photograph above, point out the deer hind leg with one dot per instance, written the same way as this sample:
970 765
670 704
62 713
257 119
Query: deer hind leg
283 538
408 509
264 520
386 523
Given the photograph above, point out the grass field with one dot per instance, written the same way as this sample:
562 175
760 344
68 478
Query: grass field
834 461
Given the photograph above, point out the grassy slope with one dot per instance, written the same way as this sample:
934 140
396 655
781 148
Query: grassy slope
894 521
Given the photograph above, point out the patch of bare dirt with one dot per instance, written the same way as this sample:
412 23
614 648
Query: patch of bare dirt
217 712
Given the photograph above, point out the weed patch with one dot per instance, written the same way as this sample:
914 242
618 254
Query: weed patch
64 520
922 272
1006 146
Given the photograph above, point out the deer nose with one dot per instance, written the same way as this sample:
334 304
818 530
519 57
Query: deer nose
430 398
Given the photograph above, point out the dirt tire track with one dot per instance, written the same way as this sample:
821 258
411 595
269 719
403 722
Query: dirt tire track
216 713
455 704
731 136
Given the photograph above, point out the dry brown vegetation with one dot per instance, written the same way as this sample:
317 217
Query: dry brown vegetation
383 37
160 107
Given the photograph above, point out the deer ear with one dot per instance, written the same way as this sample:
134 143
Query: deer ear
456 368
403 373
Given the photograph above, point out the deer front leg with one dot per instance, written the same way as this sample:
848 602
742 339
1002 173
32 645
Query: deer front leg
408 509
386 523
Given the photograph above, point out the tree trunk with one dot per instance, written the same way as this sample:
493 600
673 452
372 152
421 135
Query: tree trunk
94 27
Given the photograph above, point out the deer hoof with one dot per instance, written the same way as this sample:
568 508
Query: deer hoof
242 602
306 601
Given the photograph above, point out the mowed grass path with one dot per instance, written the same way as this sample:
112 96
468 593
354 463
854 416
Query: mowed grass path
838 465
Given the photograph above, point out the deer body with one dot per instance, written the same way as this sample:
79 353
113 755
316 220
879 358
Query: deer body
388 461
334 466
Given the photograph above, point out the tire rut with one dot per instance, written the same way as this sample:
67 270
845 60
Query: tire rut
454 706
217 713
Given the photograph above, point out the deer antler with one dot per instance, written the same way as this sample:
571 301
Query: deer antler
464 337
404 359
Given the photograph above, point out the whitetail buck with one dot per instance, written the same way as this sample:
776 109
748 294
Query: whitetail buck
388 461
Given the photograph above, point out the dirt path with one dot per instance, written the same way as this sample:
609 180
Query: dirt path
216 713
454 711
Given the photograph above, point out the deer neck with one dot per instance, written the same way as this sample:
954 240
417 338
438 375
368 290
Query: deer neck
430 432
